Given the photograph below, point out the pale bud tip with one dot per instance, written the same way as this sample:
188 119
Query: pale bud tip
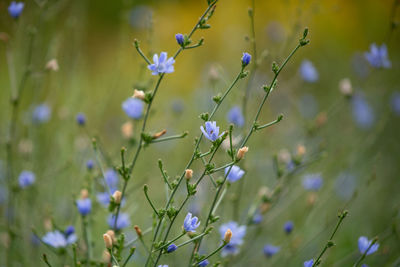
138 230
117 197
138 94
241 152
52 65
159 134
107 241
228 236
188 174
84 194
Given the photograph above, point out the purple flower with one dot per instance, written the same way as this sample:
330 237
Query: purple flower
111 177
191 223
211 132
312 182
26 178
364 243
238 233
89 164
378 56
171 248
84 206
15 9
288 227
308 72
179 38
270 250
235 173
41 113
203 263
362 112
257 218
57 239
69 230
162 64
81 119
235 116
246 59
395 103
308 263
122 221
133 108
103 198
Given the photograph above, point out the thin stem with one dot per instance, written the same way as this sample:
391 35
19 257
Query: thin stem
46 260
211 254
172 137
269 124
209 175
170 242
191 240
365 253
223 167
86 235
113 257
131 252
148 199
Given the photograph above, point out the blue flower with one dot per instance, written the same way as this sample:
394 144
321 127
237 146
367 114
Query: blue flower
122 221
238 233
171 248
84 206
395 103
235 173
133 108
312 182
246 59
257 218
15 9
203 263
270 250
162 64
41 113
163 265
345 185
211 132
111 177
57 239
288 227
179 38
26 178
81 119
308 72
89 164
190 223
69 230
362 112
378 56
364 243
235 116
103 198
308 263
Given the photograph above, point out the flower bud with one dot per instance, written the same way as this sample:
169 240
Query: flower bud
246 59
107 241
106 256
127 129
84 194
301 150
188 174
241 152
52 65
179 38
345 87
138 231
117 197
138 94
159 134
228 236
112 235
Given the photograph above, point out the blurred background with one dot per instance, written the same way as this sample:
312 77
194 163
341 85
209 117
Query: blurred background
341 117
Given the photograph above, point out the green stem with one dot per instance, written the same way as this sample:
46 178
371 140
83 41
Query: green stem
365 253
172 137
129 256
213 253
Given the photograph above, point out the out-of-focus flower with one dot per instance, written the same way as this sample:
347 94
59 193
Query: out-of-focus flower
84 206
133 108
127 129
179 38
308 72
312 182
238 233
190 223
378 56
81 119
26 178
276 32
15 9
69 230
308 263
235 116
52 65
308 106
203 263
162 64
211 132
56 239
246 58
270 250
364 243
345 87
123 221
235 173
288 227
345 185
257 218
89 164
171 248
41 113
362 112
141 17
395 103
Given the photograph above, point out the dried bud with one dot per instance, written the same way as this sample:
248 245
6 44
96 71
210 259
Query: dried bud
241 152
107 241
112 235
138 94
188 174
127 129
228 236
52 65
84 194
138 231
117 197
159 134
301 150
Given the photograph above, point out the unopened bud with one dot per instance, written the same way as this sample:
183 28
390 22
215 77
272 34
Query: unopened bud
159 134
301 150
345 87
52 65
106 256
228 236
138 94
241 152
138 231
127 129
117 197
112 235
188 174
107 241
84 194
